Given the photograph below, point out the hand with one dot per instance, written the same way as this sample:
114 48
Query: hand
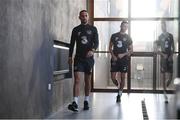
170 58
121 56
90 54
70 61
158 52
164 55
128 53
114 58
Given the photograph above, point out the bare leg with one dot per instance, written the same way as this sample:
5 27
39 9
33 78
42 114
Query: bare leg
163 76
76 88
170 76
87 87
74 105
123 76
113 78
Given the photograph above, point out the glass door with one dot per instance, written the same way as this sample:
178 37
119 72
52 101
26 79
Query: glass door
144 17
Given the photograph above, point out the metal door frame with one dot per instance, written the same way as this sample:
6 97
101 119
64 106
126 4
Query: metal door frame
90 8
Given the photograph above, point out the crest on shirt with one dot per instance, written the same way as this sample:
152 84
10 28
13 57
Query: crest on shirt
84 40
163 39
89 32
124 39
79 33
116 38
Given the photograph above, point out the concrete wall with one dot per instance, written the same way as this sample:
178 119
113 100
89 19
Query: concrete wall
65 17
27 30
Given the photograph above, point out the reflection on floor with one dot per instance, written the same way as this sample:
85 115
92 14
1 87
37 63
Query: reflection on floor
104 106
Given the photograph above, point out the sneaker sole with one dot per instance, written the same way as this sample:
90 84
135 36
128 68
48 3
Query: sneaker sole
72 109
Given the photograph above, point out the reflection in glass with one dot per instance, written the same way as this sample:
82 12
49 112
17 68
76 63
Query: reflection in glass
144 33
110 8
159 81
105 30
154 8
102 76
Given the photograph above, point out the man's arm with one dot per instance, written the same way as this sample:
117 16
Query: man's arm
156 49
71 48
96 39
172 47
111 50
130 50
95 44
130 47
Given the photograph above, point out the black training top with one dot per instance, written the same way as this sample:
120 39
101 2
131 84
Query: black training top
120 42
166 42
86 38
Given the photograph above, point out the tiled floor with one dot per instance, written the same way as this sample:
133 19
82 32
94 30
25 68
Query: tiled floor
104 106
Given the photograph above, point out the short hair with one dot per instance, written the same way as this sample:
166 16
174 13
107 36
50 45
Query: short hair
82 11
124 22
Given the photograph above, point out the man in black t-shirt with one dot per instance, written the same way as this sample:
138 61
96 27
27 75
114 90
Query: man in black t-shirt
86 38
121 48
166 44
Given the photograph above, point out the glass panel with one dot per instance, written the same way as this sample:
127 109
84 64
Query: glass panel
159 82
105 30
102 75
110 8
142 73
144 33
154 8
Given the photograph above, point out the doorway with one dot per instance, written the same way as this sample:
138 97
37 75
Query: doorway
144 17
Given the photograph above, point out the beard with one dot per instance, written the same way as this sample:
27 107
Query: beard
84 21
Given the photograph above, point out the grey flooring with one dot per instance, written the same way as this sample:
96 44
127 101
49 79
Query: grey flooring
104 106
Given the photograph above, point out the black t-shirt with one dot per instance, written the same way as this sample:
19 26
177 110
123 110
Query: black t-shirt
165 41
120 42
86 38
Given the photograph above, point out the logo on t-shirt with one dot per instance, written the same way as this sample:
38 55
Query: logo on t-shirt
116 38
89 32
119 45
124 39
125 68
166 44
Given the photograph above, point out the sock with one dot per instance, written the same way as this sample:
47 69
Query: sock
76 100
86 98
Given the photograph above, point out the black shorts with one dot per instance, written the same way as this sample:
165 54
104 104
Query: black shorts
121 65
83 65
166 65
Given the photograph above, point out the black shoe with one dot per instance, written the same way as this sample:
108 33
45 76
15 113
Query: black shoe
86 105
118 98
73 106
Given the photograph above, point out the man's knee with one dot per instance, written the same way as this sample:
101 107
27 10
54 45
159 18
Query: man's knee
76 80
